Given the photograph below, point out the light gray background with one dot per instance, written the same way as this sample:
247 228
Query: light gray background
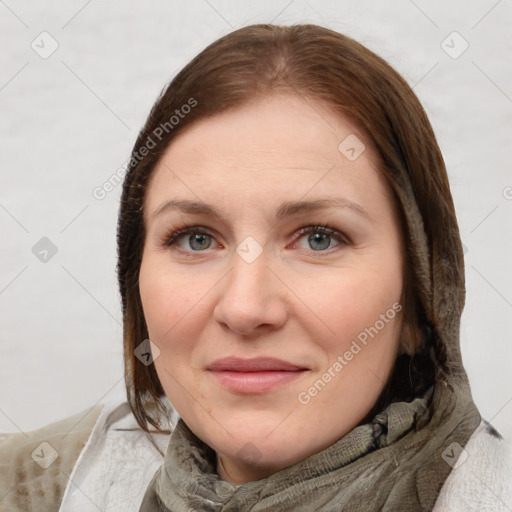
69 121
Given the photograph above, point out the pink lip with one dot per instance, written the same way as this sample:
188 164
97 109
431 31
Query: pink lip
256 364
255 375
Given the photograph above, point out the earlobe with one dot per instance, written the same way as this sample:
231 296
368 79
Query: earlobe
409 338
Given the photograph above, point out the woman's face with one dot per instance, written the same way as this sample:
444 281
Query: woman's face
255 281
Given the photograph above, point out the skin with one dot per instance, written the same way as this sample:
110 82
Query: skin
301 301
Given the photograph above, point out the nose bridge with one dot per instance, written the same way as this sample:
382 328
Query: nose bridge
249 265
250 296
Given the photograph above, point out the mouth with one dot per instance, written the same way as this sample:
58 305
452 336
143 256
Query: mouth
257 375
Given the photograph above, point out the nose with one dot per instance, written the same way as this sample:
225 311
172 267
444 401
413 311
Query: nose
252 298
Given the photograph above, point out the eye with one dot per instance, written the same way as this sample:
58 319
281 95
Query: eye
321 237
194 238
199 241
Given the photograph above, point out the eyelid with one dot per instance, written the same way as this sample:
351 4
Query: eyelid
172 235
325 229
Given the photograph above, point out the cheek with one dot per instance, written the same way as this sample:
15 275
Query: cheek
360 305
348 301
166 296
176 311
170 305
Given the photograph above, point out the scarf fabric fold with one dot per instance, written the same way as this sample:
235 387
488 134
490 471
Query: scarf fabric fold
365 470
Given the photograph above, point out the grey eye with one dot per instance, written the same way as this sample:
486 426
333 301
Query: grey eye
199 241
319 241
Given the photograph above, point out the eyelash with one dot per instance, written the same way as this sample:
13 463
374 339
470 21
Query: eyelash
171 237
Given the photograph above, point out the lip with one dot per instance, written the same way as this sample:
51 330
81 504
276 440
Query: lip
255 364
256 375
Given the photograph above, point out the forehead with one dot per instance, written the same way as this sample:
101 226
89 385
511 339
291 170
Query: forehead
281 145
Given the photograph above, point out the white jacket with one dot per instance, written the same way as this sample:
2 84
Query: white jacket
117 463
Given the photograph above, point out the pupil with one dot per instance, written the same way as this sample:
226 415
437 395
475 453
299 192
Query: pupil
199 239
317 238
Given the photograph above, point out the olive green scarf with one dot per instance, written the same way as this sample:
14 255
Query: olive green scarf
393 463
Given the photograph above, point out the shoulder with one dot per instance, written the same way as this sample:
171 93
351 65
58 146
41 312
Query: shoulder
29 460
39 470
481 476
118 461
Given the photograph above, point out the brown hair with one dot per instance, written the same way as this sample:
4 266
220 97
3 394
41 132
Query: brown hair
314 62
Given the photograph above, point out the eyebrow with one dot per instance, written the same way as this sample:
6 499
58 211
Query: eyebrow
287 209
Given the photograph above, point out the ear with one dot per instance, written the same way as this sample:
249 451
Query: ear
409 339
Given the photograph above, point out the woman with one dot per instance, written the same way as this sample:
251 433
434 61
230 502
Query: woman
292 282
